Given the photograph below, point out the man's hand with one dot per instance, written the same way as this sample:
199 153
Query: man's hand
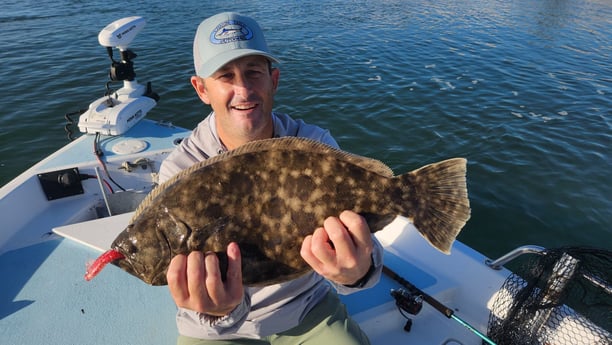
340 250
195 282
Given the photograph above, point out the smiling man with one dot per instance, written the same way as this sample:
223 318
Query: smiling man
236 77
242 93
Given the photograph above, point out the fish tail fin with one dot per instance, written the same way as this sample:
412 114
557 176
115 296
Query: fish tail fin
437 194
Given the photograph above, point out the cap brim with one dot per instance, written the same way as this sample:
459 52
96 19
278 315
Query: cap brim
206 70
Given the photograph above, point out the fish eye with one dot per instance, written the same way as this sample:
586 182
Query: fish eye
132 248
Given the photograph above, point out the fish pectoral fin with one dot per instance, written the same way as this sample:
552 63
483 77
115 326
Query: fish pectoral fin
177 235
211 236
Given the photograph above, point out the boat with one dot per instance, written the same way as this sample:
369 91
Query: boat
64 211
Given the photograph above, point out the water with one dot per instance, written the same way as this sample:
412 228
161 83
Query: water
522 88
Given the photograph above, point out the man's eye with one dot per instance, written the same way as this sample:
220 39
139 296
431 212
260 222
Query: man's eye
254 73
224 76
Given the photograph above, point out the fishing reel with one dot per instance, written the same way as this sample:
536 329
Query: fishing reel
407 303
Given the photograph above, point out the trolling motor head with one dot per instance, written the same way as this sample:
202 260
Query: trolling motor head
119 110
121 32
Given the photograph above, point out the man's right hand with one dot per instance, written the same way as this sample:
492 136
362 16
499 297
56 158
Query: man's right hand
195 282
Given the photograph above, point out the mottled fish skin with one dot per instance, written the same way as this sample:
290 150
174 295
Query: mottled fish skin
268 195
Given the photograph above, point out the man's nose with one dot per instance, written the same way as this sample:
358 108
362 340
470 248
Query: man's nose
242 84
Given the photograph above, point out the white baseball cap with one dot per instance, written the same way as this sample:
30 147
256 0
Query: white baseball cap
225 37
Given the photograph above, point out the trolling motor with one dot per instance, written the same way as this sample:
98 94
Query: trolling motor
118 111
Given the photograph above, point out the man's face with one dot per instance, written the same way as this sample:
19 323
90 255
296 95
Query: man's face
241 93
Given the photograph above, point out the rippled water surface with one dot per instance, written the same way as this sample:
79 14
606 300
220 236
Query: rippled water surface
521 88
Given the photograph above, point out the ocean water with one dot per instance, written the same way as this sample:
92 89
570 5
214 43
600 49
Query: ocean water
521 88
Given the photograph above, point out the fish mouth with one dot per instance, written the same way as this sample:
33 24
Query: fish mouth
117 258
141 272
134 268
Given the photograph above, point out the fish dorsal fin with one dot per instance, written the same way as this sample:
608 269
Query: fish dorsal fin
312 146
281 144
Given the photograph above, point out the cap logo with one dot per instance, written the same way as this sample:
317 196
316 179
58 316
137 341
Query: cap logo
230 31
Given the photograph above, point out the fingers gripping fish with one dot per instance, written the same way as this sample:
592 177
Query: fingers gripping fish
268 195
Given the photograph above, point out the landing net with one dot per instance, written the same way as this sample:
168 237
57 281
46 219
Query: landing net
563 296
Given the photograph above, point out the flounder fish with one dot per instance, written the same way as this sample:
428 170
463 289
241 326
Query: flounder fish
268 195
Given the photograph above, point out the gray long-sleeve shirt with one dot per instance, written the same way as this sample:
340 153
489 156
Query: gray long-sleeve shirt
264 310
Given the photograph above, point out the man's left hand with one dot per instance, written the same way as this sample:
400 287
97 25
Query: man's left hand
341 250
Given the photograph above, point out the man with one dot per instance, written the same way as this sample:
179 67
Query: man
234 75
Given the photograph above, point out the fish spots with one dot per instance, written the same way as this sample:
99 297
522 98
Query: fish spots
305 218
200 204
326 166
301 186
239 182
274 208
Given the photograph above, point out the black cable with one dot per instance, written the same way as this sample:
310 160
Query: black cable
70 124
99 153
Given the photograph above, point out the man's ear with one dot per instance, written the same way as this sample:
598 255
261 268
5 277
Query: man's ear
275 78
200 88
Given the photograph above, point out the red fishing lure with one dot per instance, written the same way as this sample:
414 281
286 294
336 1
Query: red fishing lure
95 267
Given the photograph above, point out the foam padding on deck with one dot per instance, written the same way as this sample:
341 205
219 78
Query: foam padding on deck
49 302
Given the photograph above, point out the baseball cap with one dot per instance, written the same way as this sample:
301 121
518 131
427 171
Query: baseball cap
225 37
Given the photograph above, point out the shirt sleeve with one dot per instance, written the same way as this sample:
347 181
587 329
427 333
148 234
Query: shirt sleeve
194 324
200 145
178 160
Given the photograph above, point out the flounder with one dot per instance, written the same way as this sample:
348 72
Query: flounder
268 195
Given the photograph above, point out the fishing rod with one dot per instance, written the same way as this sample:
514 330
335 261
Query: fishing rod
449 313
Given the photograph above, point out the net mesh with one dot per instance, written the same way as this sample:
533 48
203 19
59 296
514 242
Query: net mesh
563 296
